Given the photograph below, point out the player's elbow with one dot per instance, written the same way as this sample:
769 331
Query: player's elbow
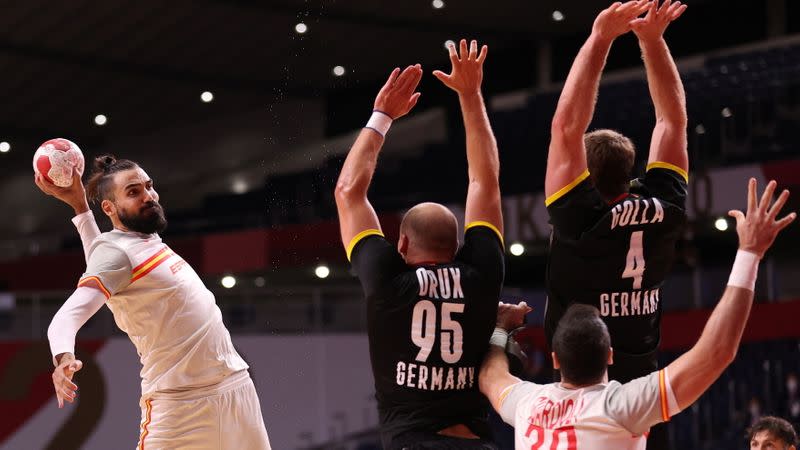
563 129
726 356
345 191
53 329
674 121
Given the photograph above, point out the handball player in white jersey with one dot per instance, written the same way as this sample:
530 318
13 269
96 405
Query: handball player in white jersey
587 412
196 390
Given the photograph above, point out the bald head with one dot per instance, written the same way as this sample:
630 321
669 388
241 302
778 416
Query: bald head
432 231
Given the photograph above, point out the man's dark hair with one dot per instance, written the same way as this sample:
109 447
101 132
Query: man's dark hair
100 184
582 345
777 427
609 158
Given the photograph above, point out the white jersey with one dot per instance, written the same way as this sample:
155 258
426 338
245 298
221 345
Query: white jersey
164 307
608 416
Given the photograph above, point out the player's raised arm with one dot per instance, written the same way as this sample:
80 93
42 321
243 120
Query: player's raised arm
466 76
75 197
668 144
692 373
495 376
395 99
566 160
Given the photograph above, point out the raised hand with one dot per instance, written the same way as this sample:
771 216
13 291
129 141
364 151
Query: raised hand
467 68
62 378
651 26
617 19
74 195
758 228
398 96
510 316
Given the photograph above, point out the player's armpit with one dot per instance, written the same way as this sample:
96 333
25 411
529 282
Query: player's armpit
482 223
94 283
643 402
669 166
567 186
358 238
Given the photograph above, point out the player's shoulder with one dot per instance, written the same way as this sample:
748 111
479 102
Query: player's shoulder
116 244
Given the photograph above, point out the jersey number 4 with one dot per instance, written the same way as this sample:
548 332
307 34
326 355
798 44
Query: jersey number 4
634 263
423 331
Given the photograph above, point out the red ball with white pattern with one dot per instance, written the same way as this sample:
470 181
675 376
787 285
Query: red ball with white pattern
55 160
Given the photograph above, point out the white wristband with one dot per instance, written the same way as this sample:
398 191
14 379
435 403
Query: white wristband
499 338
379 122
744 271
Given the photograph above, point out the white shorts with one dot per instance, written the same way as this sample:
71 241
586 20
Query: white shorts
226 416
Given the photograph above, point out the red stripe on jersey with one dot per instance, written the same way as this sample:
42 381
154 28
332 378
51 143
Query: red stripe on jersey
149 259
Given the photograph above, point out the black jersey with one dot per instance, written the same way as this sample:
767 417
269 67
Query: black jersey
429 329
616 256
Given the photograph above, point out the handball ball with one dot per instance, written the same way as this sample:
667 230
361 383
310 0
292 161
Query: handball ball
55 159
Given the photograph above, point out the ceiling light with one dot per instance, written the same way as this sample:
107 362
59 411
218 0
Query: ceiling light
228 281
700 129
301 28
239 186
338 71
517 249
100 119
558 16
260 282
438 4
726 112
206 97
449 43
4 147
721 224
322 271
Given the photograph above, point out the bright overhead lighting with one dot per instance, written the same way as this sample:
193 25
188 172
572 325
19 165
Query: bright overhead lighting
100 119
322 271
228 281
4 147
438 4
700 129
301 28
206 97
338 71
721 224
449 43
726 112
260 282
558 16
517 249
239 186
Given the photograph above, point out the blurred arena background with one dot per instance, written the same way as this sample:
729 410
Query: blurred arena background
247 182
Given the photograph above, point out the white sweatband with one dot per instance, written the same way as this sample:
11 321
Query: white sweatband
499 338
379 122
744 271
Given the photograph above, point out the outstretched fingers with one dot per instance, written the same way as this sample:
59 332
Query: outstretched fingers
778 205
484 52
766 197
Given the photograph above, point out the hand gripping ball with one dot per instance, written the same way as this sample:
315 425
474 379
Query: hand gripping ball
55 159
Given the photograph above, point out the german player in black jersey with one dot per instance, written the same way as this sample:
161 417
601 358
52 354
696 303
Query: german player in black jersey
613 240
431 306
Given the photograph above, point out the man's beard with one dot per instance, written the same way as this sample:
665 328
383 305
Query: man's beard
150 219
